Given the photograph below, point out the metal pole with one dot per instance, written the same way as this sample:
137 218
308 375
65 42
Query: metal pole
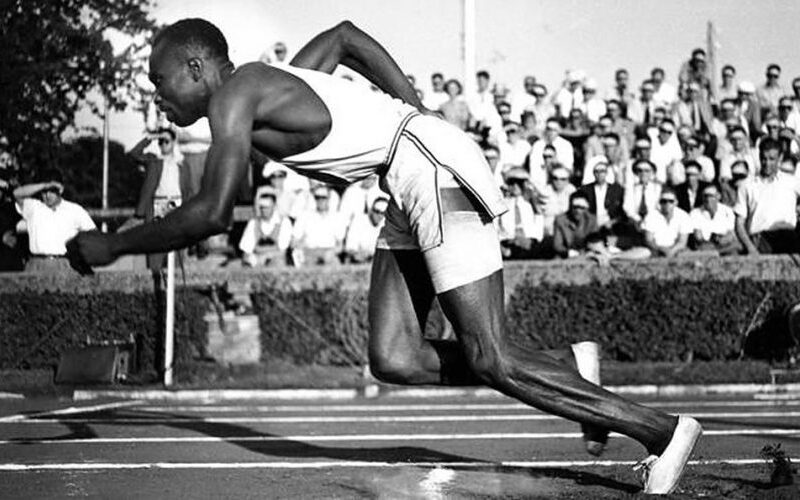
104 226
468 43
711 52
169 334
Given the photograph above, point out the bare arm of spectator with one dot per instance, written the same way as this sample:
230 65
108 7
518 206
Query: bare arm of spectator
28 190
560 243
137 152
741 232
678 247
650 242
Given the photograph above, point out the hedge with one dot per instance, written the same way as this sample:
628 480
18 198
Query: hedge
657 310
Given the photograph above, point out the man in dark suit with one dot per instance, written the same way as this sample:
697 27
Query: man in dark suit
689 193
605 200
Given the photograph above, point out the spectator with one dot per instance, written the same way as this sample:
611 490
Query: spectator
570 96
317 233
739 150
693 152
481 102
642 150
728 117
504 111
694 110
572 228
492 155
729 188
689 193
620 92
713 225
667 229
765 208
750 108
437 96
514 149
167 182
664 94
788 116
456 110
276 55
619 124
293 191
362 233
556 196
11 249
543 109
796 93
594 143
642 197
695 70
641 110
593 106
564 152
727 89
521 228
605 199
614 158
772 129
525 100
530 128
771 91
576 131
51 221
358 199
666 154
193 144
266 236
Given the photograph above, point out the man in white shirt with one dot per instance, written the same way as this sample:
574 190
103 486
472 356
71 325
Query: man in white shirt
362 233
766 206
739 150
666 153
666 230
525 100
664 94
267 236
564 152
51 221
437 96
317 233
570 96
642 197
521 228
713 225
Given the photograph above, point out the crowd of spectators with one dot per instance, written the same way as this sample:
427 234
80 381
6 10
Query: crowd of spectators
661 168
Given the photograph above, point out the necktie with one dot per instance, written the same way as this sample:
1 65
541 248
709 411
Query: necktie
647 114
519 231
695 116
643 203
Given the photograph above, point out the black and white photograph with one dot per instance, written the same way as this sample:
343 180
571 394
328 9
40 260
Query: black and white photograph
399 249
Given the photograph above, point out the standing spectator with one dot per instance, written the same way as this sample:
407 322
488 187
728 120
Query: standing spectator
695 70
564 152
689 193
556 196
570 96
739 150
713 225
593 106
605 199
437 96
267 235
166 182
771 91
641 110
727 89
362 232
765 209
11 250
525 100
620 92
456 110
642 197
750 108
521 228
317 234
572 228
664 94
51 221
667 229
481 103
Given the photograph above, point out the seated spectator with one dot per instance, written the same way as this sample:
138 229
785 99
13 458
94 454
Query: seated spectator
362 232
641 110
530 130
543 109
771 91
772 129
667 229
695 70
642 197
293 190
713 225
317 233
728 117
664 94
666 153
694 110
51 221
739 150
576 131
594 143
456 110
437 96
521 228
526 100
572 228
358 198
492 155
620 92
788 116
556 196
693 152
729 188
642 150
620 125
613 156
564 152
750 108
514 149
689 193
605 200
765 208
727 89
570 95
266 236
593 106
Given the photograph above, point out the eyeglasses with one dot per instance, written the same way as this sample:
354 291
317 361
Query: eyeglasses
785 106
773 75
727 75
727 109
666 200
665 130
548 157
162 142
773 126
580 207
560 178
491 157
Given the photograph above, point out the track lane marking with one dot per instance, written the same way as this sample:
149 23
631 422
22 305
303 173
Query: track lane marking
72 410
20 467
369 437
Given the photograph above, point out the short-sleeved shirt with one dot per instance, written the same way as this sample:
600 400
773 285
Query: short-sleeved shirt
722 222
49 229
666 232
768 204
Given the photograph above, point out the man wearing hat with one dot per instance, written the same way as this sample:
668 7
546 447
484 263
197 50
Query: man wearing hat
750 108
571 229
267 235
521 227
713 224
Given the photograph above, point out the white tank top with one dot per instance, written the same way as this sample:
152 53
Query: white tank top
363 125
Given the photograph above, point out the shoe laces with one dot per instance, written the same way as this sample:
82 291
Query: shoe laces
644 467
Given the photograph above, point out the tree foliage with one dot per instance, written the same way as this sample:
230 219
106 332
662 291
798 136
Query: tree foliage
54 54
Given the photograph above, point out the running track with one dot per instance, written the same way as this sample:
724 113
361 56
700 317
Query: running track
387 447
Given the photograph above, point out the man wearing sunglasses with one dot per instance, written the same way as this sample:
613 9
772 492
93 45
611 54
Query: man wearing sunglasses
666 230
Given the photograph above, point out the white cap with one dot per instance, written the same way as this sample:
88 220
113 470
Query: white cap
747 87
590 83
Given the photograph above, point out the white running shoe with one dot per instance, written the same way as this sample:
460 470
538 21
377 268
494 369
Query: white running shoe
661 474
587 359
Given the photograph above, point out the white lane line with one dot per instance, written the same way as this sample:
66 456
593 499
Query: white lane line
436 407
16 467
72 410
369 437
148 420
